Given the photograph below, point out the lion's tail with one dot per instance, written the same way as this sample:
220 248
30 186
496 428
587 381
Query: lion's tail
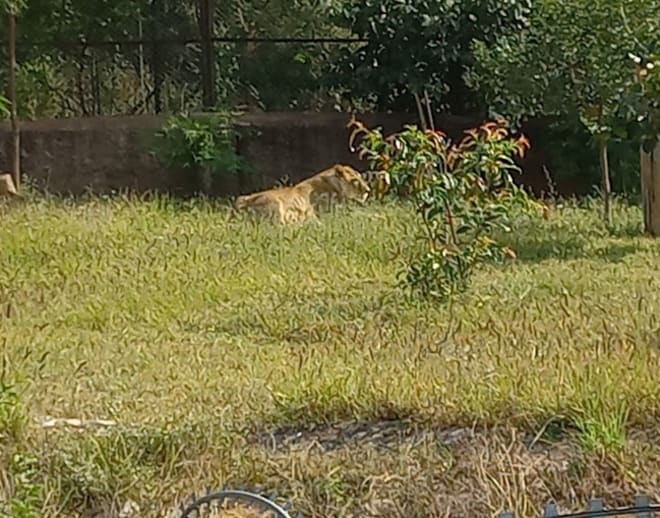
243 201
248 200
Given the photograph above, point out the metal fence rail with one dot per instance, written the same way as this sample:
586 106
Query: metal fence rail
596 508
642 508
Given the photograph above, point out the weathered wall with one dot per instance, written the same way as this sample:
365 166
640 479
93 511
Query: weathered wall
103 154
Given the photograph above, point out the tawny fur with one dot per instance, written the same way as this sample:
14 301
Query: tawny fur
297 203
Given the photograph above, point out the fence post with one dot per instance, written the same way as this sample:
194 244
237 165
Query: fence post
156 56
206 30
15 131
550 510
643 501
650 169
596 504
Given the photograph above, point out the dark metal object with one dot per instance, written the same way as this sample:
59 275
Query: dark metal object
202 504
642 509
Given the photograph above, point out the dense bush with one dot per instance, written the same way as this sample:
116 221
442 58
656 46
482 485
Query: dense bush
414 46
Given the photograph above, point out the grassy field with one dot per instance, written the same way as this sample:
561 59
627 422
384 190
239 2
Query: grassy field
236 353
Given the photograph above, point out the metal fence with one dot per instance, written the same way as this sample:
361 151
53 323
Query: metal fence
642 508
198 506
166 64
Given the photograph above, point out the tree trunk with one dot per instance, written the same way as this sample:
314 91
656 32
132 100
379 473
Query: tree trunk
606 185
15 133
650 165
156 56
420 112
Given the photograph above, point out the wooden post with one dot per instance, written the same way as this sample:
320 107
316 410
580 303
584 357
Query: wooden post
650 169
206 22
156 56
605 180
15 132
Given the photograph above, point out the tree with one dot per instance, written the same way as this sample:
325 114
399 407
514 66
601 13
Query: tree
413 46
569 62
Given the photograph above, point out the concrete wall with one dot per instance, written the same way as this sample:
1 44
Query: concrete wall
103 154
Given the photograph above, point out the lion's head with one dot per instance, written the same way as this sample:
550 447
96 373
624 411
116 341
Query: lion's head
353 185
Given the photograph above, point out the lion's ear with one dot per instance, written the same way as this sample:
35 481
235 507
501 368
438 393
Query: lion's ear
343 171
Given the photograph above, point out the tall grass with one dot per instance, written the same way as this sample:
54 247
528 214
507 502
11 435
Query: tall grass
195 330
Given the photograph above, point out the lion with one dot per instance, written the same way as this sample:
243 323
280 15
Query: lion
7 187
297 203
339 182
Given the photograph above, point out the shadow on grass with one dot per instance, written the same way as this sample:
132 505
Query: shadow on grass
566 247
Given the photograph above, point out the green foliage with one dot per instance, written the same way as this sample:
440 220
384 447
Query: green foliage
36 79
25 494
644 99
415 45
570 62
602 418
573 156
12 6
65 81
56 80
200 143
279 77
571 59
95 19
28 494
463 194
4 107
12 413
274 76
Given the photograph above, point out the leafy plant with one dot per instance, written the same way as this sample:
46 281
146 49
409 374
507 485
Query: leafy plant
462 194
28 493
202 144
4 107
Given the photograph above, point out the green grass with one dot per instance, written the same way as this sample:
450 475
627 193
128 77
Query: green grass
195 330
